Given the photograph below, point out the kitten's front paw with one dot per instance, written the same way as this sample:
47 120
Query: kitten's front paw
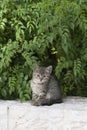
34 103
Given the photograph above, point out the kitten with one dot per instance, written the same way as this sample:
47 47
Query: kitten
45 90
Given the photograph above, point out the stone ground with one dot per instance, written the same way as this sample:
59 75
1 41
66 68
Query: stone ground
70 115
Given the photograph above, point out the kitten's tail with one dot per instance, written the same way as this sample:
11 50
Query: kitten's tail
50 102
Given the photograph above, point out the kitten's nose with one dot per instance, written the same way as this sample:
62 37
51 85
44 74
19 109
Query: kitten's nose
41 78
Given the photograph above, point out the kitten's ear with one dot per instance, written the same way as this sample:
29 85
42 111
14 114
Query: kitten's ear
49 69
36 67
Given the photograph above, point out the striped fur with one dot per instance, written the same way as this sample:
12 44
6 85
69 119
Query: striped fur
45 89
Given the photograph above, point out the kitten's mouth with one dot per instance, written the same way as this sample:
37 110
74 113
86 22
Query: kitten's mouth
39 82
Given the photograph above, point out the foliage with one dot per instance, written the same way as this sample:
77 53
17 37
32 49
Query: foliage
17 28
63 25
44 32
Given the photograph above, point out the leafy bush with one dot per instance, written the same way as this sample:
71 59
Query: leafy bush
17 29
44 32
63 26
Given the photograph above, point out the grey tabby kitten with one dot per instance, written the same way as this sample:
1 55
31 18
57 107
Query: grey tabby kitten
45 90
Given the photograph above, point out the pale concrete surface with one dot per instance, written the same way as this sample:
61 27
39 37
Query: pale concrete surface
70 115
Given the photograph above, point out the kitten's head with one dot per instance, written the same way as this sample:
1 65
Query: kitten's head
41 75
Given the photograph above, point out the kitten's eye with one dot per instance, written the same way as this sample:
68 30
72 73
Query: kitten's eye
44 76
38 75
